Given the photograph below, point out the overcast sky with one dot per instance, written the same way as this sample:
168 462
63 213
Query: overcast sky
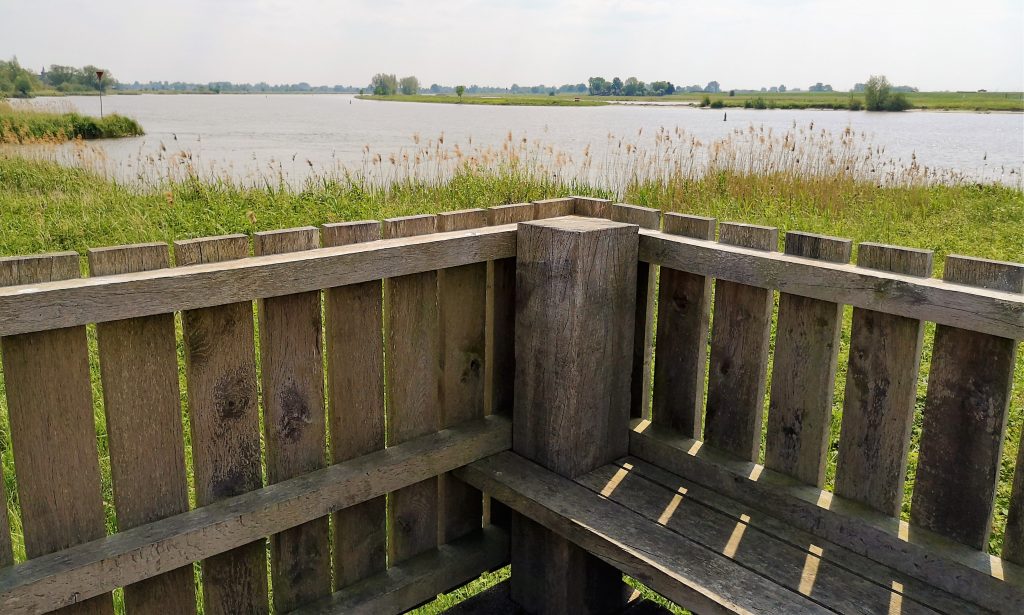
932 44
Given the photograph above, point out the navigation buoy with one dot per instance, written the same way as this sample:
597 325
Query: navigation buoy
725 116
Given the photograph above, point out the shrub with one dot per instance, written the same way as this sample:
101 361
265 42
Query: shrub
759 103
897 102
855 104
706 101
718 104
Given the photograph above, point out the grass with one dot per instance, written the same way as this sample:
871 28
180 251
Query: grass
486 99
795 181
21 126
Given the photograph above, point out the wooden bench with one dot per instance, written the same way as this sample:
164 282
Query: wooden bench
562 394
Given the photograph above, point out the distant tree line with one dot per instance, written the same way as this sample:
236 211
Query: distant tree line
227 87
384 84
16 80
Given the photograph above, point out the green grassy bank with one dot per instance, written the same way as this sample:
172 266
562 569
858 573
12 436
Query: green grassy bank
509 100
19 125
46 207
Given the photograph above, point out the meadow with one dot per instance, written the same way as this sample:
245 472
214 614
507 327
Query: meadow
800 180
32 126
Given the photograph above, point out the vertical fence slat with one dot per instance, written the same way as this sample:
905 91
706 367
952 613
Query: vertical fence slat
594 208
223 401
293 421
739 352
803 377
965 415
881 388
500 364
139 370
49 400
355 390
462 318
553 208
413 374
643 332
684 305
1013 537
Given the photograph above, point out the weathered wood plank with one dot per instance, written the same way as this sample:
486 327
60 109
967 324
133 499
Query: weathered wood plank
355 390
995 584
671 565
572 391
87 570
592 207
801 568
881 388
1013 535
413 368
553 208
978 309
49 401
500 364
756 520
32 306
643 331
462 322
293 421
223 402
739 352
965 416
684 307
420 578
139 371
804 372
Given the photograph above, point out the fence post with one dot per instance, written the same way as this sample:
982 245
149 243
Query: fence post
575 310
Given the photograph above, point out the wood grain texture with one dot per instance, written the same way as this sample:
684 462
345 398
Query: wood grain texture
50 305
500 363
757 521
413 370
739 352
421 578
801 568
671 565
49 401
293 421
462 318
592 207
572 391
881 389
965 415
804 372
553 208
684 307
355 393
139 370
643 331
223 401
90 569
995 584
985 310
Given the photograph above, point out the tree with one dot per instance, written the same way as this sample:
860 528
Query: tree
22 85
384 84
878 96
599 86
459 91
409 85
616 87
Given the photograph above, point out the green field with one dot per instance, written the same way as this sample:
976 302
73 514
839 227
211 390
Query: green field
21 126
936 101
46 207
486 99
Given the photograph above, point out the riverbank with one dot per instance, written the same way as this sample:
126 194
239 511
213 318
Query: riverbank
933 101
510 100
27 126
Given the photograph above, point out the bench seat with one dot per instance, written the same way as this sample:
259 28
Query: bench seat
700 549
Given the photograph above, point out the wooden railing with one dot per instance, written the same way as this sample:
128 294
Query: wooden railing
274 452
381 358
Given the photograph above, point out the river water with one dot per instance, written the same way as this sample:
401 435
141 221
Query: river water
250 138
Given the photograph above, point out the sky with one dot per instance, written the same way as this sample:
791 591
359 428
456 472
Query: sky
934 45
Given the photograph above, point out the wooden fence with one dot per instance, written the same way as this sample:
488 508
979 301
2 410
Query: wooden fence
337 432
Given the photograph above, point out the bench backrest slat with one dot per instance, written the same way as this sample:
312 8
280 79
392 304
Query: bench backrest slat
739 352
965 416
223 403
881 388
139 370
804 370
